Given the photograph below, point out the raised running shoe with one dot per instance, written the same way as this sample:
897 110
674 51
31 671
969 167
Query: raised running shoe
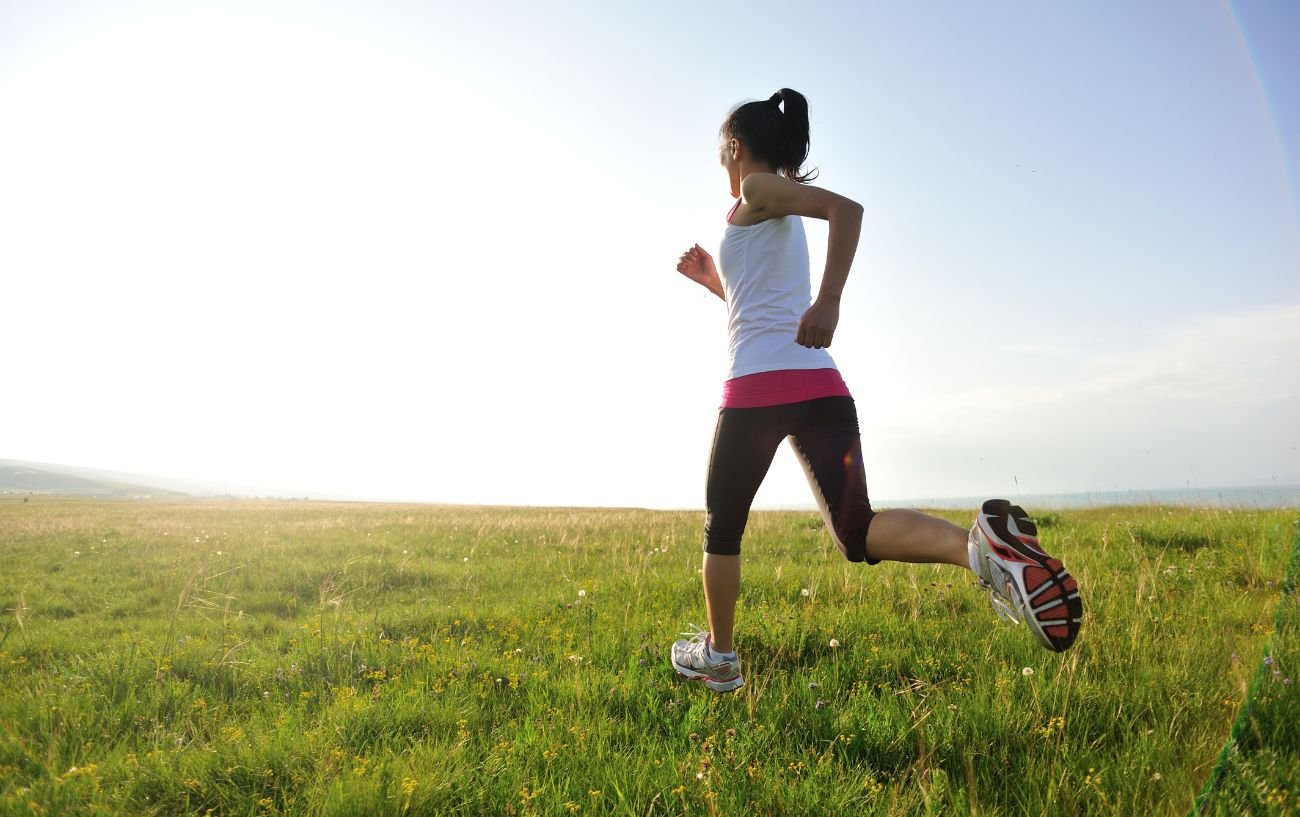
691 659
1027 585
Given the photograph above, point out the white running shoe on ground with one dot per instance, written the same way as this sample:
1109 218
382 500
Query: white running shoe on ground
691 659
1027 585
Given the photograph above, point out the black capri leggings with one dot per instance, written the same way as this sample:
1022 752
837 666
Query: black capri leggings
824 435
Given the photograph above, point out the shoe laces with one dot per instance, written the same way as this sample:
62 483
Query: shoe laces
696 634
697 647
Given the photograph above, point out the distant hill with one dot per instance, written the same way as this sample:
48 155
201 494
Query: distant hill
24 478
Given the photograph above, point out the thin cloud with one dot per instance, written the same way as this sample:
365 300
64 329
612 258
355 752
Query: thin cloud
1238 360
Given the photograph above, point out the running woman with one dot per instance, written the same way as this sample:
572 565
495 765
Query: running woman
783 384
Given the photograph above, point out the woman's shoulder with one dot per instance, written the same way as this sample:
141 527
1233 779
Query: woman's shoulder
768 194
757 185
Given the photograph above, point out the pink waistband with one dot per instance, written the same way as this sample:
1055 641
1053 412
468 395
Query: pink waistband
782 386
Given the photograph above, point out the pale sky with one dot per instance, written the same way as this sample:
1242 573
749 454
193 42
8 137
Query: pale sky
426 251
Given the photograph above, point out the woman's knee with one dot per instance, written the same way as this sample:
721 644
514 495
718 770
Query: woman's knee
850 533
722 539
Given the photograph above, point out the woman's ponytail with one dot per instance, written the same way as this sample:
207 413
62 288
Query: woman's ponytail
796 129
776 131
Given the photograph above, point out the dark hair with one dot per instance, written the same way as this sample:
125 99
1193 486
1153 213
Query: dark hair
772 134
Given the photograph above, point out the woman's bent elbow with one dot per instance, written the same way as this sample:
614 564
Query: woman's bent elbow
847 211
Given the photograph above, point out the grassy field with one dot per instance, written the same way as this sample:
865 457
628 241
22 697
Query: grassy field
330 659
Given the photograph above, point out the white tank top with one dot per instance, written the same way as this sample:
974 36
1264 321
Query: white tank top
765 276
